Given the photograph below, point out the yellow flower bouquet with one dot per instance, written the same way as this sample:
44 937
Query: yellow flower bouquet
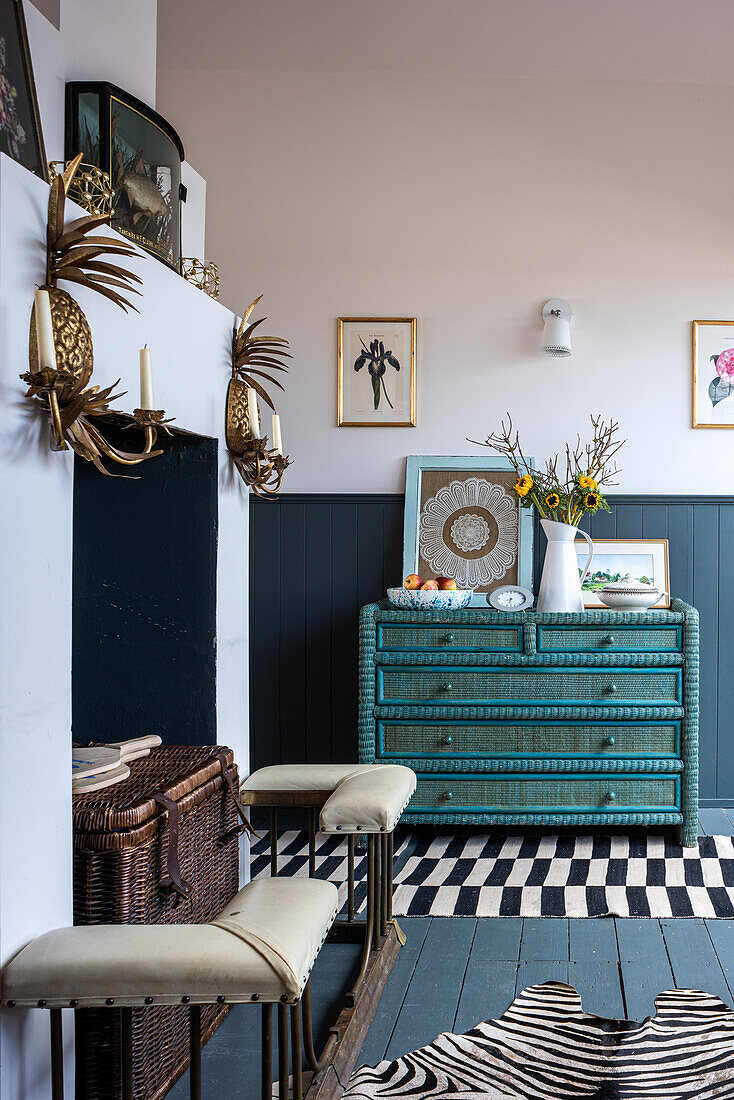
589 467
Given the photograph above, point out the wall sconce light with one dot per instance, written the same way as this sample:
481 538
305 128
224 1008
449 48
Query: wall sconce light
556 314
60 353
260 467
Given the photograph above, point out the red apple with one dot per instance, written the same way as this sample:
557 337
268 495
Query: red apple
430 586
412 581
446 584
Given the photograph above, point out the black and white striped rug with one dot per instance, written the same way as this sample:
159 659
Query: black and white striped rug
481 875
545 1047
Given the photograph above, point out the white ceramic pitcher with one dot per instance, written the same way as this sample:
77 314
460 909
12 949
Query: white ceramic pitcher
560 585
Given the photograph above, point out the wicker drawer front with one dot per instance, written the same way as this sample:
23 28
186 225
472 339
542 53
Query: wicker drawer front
448 794
543 740
610 639
604 686
488 638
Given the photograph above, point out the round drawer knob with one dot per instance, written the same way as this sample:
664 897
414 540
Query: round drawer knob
449 639
611 689
609 741
448 739
448 795
446 687
609 640
611 796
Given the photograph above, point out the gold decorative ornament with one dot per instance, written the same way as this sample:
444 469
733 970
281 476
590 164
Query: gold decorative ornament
260 467
91 188
204 276
76 409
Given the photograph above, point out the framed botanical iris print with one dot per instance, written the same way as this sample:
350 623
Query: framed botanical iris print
713 374
463 521
20 121
376 372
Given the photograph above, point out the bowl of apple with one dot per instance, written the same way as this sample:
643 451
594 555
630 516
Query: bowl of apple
443 594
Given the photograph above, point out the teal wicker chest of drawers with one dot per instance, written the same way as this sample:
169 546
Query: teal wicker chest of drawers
536 719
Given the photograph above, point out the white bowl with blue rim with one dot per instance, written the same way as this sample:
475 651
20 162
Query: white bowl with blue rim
416 599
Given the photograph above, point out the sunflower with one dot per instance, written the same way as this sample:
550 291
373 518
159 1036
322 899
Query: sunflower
553 501
587 482
523 486
592 500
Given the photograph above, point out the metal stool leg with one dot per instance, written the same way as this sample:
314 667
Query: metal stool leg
376 879
316 1064
266 1057
126 1028
369 921
312 842
296 1055
57 1055
273 841
195 1052
350 878
384 882
282 1051
390 861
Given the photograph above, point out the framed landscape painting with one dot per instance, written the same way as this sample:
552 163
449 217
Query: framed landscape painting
376 372
643 560
20 121
713 374
463 520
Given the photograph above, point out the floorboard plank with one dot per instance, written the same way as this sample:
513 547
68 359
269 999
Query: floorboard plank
498 939
537 971
544 938
488 991
393 995
598 983
714 822
693 958
592 940
722 937
645 965
434 991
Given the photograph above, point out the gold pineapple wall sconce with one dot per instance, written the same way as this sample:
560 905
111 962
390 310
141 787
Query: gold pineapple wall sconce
260 467
61 357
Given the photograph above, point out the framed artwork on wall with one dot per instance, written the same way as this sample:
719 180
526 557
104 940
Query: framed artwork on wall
645 560
462 520
20 122
713 374
376 372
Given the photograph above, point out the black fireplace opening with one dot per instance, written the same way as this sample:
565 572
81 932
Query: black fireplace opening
144 595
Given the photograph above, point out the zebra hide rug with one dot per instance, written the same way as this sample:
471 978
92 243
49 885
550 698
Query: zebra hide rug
545 1047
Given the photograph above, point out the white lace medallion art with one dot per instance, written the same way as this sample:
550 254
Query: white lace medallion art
469 531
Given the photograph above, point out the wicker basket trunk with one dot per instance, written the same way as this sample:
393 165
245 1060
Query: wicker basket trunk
125 872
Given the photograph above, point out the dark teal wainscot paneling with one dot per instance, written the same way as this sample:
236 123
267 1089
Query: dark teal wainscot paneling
317 558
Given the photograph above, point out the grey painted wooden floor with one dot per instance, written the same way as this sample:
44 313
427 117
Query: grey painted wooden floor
456 971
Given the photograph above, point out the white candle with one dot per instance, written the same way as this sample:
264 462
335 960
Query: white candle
44 331
252 413
277 441
146 380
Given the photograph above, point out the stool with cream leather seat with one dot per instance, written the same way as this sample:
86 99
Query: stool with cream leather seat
261 949
353 799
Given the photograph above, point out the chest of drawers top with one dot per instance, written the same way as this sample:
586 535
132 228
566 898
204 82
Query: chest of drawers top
489 636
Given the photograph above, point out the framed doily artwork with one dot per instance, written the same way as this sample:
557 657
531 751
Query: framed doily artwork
462 520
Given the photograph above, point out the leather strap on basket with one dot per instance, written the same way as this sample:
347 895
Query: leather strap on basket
172 882
245 827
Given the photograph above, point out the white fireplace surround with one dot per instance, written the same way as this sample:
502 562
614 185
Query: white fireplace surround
189 336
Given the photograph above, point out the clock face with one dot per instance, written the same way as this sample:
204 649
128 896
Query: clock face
511 598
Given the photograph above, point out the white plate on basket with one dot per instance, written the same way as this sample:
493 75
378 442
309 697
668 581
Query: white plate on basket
432 600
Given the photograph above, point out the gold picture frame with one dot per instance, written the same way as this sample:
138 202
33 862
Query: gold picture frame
711 391
653 561
376 349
